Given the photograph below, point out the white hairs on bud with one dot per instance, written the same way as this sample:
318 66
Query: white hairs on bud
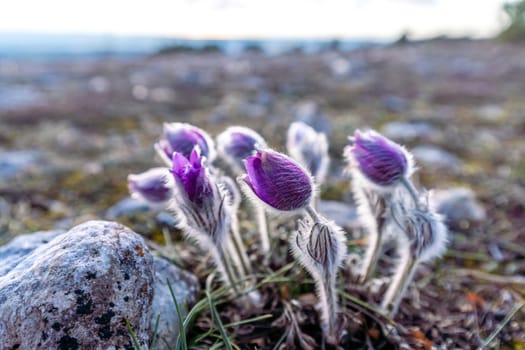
210 219
422 236
321 248
373 213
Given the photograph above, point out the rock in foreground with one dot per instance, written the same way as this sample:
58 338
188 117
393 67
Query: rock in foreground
77 291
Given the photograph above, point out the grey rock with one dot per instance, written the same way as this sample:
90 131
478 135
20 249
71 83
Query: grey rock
184 284
344 214
459 206
408 131
129 206
491 112
19 247
13 96
13 163
77 290
185 287
395 104
5 208
166 219
437 158
340 66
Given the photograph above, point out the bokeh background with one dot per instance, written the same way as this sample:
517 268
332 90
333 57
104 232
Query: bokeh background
86 86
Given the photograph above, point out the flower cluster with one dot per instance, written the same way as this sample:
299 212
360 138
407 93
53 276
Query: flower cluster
388 203
206 202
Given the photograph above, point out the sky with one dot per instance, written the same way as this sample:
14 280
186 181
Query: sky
217 19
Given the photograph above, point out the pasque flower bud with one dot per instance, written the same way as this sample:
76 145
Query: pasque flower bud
379 160
205 209
237 143
421 237
320 246
182 138
154 185
277 181
309 148
200 202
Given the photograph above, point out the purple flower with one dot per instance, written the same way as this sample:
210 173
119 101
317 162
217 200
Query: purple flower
378 159
237 143
277 181
154 185
182 138
192 176
200 204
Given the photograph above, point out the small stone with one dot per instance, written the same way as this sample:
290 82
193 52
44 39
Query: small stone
129 206
408 131
491 112
395 104
69 293
437 158
343 214
166 219
460 207
13 163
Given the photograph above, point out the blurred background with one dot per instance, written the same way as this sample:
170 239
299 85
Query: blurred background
85 88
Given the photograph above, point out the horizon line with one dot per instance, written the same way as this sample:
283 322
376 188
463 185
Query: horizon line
234 37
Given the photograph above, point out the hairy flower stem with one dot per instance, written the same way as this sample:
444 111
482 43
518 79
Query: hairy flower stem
411 190
264 231
317 203
225 268
372 211
239 247
235 259
312 213
399 283
328 301
371 256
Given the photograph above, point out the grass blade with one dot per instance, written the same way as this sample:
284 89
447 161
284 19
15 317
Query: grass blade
216 346
249 320
155 333
281 339
502 325
215 315
133 337
182 331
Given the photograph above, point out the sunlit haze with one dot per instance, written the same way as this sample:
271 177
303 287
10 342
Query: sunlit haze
385 19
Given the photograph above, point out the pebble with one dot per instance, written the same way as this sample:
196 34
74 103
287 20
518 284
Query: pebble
13 163
343 214
437 158
408 131
129 206
460 207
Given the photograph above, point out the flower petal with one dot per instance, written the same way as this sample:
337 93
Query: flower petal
278 181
